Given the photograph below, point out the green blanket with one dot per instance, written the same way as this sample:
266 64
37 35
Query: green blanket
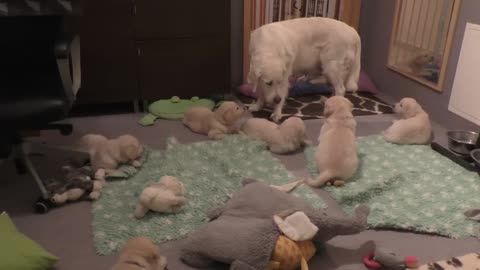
210 170
409 188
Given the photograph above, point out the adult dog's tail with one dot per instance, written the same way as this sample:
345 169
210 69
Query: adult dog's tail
354 75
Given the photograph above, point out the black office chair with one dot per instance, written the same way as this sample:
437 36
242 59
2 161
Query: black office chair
37 84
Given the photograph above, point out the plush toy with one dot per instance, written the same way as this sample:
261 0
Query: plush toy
469 261
173 109
215 124
295 247
244 234
383 258
289 254
166 196
78 184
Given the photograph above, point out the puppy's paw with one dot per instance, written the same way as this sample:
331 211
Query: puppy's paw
94 195
136 163
100 174
255 108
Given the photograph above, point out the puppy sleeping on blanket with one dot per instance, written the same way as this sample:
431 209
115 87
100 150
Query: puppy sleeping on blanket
243 233
287 137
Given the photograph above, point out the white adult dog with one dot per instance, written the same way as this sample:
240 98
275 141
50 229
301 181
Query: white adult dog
414 126
309 46
336 154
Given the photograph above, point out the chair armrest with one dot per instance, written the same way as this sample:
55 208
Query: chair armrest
67 53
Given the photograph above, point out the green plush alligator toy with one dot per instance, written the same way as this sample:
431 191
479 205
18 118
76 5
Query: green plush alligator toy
172 109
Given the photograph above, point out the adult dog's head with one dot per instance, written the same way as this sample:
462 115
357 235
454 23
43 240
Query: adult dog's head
337 106
269 75
407 108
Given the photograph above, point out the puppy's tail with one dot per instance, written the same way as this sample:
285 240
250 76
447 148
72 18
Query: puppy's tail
354 75
322 179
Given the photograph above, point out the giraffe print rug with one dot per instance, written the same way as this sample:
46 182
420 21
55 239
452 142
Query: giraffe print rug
311 107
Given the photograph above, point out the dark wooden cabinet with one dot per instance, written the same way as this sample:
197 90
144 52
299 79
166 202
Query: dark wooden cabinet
181 19
150 49
185 67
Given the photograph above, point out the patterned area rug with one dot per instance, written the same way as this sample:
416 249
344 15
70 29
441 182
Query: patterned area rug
310 107
409 188
210 170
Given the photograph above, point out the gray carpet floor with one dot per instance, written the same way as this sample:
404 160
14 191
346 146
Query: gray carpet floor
67 232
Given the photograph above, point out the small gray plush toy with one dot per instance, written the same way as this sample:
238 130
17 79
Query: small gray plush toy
77 184
243 233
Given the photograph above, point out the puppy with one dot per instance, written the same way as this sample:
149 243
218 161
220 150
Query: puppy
414 126
336 154
302 46
106 155
166 196
284 138
214 124
140 253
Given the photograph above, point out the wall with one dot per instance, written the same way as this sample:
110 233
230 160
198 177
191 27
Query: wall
375 28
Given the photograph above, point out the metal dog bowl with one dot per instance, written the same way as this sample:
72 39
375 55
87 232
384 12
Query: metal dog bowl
475 154
462 141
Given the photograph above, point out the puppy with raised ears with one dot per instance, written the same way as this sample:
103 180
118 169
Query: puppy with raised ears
413 127
140 253
336 154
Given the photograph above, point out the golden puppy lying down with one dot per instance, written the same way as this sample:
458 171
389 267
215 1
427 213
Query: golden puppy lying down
414 126
284 138
215 124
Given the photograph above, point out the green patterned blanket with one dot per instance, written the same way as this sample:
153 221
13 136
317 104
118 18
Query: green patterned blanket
210 170
409 188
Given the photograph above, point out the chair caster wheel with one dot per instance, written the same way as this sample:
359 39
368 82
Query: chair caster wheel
42 206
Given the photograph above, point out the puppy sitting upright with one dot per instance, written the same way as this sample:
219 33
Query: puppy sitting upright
414 126
214 124
336 154
284 138
140 253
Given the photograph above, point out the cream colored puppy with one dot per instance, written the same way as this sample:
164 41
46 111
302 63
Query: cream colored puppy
140 253
214 124
166 196
284 138
302 46
108 154
336 154
414 126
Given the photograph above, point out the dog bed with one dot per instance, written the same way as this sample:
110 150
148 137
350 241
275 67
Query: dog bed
311 107
409 187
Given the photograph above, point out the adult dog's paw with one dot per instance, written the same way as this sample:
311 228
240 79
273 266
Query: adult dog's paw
275 117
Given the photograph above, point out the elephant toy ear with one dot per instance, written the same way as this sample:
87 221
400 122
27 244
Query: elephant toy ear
296 226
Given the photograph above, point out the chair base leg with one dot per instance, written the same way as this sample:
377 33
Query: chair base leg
21 157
